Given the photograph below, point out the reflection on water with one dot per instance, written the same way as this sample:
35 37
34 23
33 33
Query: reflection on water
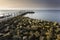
51 15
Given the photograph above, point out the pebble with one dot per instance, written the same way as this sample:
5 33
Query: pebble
31 28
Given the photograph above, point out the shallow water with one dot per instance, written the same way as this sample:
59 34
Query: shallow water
51 15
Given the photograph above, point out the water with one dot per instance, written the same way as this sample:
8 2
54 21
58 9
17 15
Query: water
12 13
51 15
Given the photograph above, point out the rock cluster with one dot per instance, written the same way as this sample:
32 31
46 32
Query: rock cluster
24 28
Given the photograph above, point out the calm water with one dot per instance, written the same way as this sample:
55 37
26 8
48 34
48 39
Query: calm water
51 15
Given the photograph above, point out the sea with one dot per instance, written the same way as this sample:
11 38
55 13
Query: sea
49 15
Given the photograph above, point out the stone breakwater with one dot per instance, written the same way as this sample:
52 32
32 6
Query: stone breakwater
24 28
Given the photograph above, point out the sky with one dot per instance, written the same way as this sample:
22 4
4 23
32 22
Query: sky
30 4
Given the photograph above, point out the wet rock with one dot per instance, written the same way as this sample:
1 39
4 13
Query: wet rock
24 28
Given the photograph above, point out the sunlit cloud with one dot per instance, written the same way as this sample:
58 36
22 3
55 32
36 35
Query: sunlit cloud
29 4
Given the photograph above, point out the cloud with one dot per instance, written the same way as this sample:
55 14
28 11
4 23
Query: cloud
29 3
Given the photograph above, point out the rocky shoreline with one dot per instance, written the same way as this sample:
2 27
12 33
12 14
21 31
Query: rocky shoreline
24 28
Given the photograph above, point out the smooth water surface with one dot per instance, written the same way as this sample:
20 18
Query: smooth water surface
51 15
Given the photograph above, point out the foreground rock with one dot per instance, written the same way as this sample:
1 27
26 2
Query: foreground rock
24 28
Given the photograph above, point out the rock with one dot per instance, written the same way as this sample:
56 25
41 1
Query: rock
25 28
